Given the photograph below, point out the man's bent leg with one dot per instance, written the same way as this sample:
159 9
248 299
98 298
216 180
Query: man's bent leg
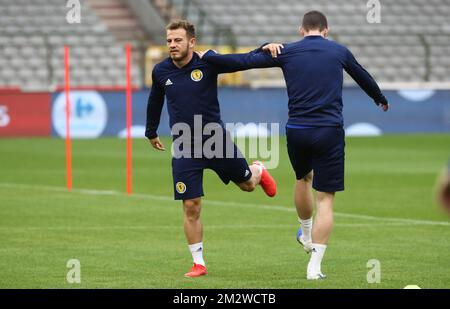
236 169
193 230
303 197
323 225
251 184
260 176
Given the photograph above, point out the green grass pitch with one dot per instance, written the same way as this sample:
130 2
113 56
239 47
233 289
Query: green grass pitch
387 213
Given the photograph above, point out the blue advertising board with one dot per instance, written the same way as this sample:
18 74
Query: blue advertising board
95 114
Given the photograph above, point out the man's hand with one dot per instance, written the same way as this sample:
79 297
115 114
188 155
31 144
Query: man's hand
385 107
201 53
273 48
156 143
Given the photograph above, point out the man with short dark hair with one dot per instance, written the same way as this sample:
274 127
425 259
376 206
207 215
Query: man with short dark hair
190 86
313 69
314 20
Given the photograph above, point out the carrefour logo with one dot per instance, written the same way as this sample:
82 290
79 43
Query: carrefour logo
83 109
88 114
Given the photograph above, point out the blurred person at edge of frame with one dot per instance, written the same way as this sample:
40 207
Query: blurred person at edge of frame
443 189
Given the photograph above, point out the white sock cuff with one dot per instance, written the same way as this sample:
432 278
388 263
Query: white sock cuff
305 221
319 246
260 168
195 247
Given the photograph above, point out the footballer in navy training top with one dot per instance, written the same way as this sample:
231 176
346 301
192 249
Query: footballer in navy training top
313 70
190 86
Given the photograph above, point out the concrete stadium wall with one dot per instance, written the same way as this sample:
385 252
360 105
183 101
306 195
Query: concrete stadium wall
102 113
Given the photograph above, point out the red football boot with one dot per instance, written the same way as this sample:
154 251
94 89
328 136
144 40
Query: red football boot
196 271
267 182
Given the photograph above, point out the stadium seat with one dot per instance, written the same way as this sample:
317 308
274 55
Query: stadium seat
32 32
255 22
38 29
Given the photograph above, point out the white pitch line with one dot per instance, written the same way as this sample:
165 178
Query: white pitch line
173 227
220 203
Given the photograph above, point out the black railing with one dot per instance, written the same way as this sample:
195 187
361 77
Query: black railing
427 57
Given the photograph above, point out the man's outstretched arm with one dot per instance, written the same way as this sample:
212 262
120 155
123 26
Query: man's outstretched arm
258 58
154 108
365 81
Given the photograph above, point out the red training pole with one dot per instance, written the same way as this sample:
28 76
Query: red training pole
68 141
129 114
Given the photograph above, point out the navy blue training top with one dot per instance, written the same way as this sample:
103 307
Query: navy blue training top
313 70
190 90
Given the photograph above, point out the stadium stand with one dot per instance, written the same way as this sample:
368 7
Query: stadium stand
34 32
411 44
